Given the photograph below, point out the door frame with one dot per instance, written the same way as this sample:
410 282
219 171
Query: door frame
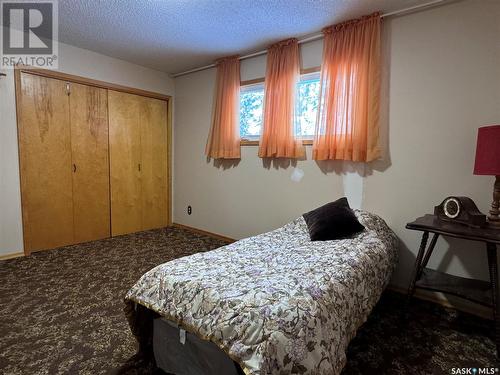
101 84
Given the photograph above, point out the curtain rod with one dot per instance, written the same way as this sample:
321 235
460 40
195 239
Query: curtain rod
313 37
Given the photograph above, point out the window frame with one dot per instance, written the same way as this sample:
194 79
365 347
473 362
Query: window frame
254 141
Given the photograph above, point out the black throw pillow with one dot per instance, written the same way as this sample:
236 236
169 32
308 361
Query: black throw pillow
332 221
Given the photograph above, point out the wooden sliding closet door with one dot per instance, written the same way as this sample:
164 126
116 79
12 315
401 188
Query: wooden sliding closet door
138 162
154 163
89 141
45 162
93 161
125 162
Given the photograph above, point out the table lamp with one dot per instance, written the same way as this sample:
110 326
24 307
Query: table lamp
488 163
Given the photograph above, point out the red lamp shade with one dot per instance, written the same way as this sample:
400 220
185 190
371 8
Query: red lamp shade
488 151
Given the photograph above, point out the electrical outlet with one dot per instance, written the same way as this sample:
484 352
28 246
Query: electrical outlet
190 210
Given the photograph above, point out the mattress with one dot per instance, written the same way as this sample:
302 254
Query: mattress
275 303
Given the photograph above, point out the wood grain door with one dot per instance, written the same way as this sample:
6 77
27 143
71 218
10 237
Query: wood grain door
154 163
45 162
125 162
89 146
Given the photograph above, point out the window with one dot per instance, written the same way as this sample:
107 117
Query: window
307 104
251 104
252 101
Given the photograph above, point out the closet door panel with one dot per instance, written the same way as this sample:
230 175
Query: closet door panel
154 163
125 159
45 162
89 144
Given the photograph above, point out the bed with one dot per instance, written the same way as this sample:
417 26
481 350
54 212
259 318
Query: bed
275 303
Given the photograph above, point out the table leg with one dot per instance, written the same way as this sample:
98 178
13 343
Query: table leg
493 266
416 268
428 254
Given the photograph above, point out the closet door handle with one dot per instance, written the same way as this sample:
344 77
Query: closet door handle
74 168
139 167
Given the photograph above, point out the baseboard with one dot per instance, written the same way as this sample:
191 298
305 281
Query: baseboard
11 256
204 232
447 301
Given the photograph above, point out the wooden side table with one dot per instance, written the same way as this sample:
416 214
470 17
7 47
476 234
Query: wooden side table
478 291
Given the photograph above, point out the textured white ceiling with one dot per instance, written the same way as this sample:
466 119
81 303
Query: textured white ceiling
175 35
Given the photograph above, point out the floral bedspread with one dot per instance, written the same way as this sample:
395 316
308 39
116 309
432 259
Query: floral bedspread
277 303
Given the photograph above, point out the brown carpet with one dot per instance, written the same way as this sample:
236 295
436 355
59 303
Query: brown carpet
61 312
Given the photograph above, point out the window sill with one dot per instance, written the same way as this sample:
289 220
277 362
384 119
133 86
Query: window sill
246 142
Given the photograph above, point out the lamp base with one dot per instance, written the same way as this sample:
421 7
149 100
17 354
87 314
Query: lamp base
494 217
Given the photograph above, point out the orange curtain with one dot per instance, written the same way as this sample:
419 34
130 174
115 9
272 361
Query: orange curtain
347 127
278 129
224 137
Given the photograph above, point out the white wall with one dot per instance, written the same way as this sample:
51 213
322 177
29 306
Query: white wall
75 61
441 82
